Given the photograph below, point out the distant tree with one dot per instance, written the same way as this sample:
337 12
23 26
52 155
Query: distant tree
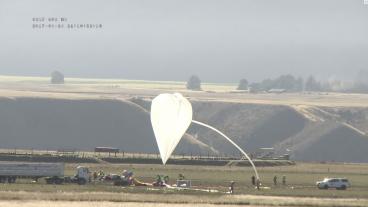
267 84
255 87
57 77
361 82
243 84
312 85
194 83
286 82
362 77
325 86
299 84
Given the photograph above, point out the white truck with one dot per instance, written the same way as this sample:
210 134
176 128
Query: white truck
52 172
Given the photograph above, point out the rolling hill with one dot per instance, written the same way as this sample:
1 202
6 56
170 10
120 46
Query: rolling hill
312 133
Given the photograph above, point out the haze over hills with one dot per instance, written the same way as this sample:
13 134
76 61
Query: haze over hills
217 40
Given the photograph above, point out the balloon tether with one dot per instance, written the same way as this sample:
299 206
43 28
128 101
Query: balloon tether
232 142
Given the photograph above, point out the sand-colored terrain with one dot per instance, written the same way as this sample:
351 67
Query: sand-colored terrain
85 113
113 200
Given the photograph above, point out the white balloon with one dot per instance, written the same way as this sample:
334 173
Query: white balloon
171 115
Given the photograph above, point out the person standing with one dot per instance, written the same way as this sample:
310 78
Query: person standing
275 180
231 187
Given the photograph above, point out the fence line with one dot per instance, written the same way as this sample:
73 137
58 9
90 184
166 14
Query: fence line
121 154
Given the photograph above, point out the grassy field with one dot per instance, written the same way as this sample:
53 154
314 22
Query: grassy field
210 185
79 88
114 83
301 178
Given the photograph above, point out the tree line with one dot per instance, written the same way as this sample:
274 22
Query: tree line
283 83
290 83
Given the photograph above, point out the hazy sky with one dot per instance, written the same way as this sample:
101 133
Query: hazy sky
219 40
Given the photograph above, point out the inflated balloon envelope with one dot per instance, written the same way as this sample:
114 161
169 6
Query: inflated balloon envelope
171 115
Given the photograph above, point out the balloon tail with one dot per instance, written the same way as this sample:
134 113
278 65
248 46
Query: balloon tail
232 142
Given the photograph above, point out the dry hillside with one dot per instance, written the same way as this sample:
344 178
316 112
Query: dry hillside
305 132
84 114
44 123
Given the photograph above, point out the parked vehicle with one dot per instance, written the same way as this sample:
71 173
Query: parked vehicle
82 176
52 172
338 183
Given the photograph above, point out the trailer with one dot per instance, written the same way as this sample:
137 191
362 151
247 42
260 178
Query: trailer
107 149
10 171
52 172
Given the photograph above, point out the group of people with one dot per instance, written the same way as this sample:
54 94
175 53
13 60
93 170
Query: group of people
256 182
161 181
283 180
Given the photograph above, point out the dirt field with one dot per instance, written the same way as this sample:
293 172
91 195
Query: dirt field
94 204
118 199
